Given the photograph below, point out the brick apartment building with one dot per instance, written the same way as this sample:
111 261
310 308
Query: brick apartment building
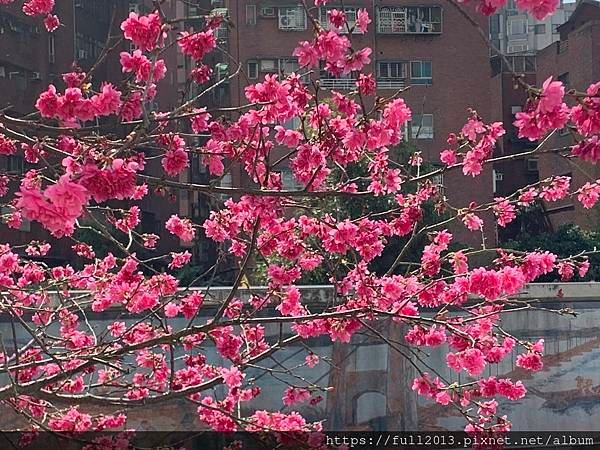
430 48
514 31
31 58
518 37
508 98
574 59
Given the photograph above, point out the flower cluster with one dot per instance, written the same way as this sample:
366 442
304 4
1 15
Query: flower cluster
72 107
544 113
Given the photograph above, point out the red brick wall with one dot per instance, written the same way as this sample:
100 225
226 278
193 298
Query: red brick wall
460 69
581 60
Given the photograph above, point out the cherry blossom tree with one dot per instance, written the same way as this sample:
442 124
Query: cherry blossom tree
71 376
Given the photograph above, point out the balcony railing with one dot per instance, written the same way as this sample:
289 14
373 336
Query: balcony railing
348 84
391 84
343 84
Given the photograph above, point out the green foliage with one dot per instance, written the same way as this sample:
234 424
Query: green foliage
568 240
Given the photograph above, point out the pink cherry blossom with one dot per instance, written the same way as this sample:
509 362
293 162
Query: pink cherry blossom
144 31
182 228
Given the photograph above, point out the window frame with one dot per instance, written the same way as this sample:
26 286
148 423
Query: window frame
510 24
288 13
256 71
399 19
324 21
51 49
424 80
416 130
514 45
251 15
403 65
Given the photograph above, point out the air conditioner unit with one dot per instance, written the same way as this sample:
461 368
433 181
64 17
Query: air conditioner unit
36 76
82 54
499 176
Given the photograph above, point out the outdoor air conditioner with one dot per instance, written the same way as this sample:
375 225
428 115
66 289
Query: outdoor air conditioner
499 176
36 76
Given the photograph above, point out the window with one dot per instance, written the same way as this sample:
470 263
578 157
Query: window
564 78
226 182
370 406
289 180
495 25
517 26
411 19
350 19
292 18
222 32
422 126
555 28
420 72
20 79
268 65
438 180
293 124
51 49
539 29
391 74
251 15
14 164
517 47
524 63
221 71
280 66
532 165
193 11
391 70
288 66
267 11
253 70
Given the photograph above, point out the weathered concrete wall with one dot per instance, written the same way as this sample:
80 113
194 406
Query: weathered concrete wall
370 381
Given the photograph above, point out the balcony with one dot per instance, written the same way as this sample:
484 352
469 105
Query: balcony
409 20
341 84
391 84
